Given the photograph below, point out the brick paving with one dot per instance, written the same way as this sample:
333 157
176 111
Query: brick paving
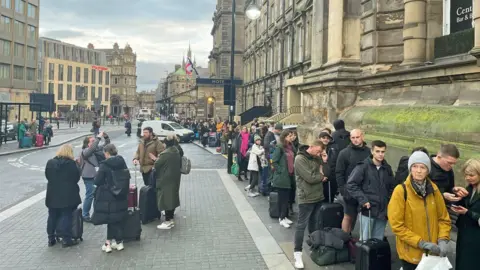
209 233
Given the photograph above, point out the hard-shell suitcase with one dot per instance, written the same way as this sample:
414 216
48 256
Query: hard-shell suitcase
133 193
39 140
133 228
273 205
148 205
372 254
26 142
330 215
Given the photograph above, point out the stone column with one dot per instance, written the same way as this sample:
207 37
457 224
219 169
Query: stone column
318 34
414 32
335 31
476 19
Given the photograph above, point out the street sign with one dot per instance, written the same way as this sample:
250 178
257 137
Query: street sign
44 102
226 95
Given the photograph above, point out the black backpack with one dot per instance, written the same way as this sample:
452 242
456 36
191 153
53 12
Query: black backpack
120 182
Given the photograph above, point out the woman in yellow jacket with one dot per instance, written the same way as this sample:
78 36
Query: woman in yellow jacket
418 215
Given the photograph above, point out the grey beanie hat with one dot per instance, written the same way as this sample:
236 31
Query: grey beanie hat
419 157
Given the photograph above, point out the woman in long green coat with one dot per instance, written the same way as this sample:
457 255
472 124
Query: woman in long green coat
167 167
468 223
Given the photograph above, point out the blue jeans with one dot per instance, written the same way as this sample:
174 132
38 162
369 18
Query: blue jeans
87 202
377 227
63 218
264 185
307 216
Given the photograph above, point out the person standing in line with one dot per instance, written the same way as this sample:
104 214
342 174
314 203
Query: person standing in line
147 152
89 162
168 178
63 195
418 215
371 183
256 162
348 158
283 175
310 168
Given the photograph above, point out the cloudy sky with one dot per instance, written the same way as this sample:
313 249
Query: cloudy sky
158 30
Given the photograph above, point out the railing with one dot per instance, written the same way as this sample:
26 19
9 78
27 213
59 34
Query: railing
283 115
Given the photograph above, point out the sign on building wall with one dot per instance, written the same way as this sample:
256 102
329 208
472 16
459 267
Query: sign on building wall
461 15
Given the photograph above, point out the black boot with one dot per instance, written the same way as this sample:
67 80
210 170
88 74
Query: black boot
52 242
69 243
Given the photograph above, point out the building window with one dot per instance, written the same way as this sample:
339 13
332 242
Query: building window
6 24
60 92
19 28
30 74
32 11
30 53
115 81
50 88
7 3
18 50
31 32
100 77
457 16
107 78
60 72
69 74
5 47
77 74
85 75
20 6
69 92
107 94
94 72
51 70
18 72
92 93
100 93
4 71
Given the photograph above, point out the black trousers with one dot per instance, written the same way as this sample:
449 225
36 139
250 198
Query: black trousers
408 266
283 201
254 176
115 231
169 214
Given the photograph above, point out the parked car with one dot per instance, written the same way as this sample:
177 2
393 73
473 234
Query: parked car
164 128
11 131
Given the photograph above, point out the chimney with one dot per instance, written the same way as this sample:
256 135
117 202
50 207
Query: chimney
90 46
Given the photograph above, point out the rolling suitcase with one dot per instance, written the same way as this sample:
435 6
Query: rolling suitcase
133 194
330 215
273 205
26 142
148 205
133 228
39 140
372 254
77 226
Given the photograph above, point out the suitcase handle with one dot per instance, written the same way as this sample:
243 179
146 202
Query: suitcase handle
369 235
135 174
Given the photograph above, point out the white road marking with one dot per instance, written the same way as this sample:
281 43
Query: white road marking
12 160
22 206
122 145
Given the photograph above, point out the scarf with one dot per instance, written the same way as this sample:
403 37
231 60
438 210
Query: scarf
245 141
290 159
420 188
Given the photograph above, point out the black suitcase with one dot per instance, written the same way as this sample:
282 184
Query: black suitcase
77 226
148 205
373 254
273 205
133 228
330 215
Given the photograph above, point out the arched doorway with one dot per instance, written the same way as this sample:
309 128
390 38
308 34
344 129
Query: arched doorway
210 107
116 109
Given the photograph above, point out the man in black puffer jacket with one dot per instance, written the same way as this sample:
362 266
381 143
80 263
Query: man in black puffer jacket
340 136
347 160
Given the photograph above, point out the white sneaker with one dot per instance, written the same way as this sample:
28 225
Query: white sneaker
256 194
113 244
298 260
166 225
283 223
107 248
251 194
119 246
288 221
247 188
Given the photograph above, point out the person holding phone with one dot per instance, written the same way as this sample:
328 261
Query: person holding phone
468 222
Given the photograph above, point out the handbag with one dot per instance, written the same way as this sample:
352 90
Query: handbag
430 262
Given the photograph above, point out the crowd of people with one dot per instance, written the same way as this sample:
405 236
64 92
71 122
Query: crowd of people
340 167
107 178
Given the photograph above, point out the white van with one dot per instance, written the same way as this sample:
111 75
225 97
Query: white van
164 128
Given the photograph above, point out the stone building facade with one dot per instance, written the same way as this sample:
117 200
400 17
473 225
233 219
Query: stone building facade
406 71
146 100
123 65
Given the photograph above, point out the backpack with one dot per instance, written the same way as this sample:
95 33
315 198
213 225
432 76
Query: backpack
120 182
186 165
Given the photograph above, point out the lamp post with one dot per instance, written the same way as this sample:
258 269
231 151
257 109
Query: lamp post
253 12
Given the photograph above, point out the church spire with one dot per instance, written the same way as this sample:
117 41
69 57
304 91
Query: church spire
183 61
189 53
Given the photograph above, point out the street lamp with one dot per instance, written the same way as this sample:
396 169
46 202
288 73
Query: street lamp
253 12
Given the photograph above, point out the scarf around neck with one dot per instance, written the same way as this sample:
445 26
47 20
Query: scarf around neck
420 188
